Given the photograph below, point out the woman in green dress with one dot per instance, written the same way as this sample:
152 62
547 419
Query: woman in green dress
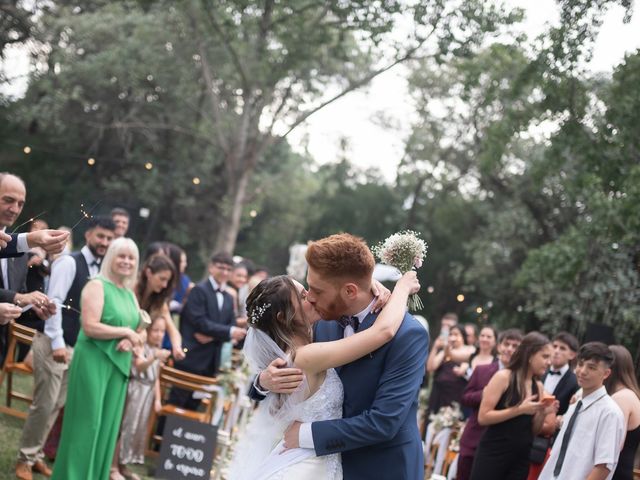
99 371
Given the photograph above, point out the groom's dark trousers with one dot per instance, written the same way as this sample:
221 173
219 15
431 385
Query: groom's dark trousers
378 435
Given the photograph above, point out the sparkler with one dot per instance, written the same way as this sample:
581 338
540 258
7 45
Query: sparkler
15 230
85 213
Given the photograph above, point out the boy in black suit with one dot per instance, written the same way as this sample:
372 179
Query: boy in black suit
560 379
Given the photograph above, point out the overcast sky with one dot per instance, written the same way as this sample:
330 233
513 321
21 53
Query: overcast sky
352 116
372 145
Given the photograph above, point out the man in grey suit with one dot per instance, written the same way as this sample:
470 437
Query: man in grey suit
13 271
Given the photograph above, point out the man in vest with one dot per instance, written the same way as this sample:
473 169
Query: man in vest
52 350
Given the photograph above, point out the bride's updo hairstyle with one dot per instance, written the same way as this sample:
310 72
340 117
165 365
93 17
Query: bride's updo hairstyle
272 307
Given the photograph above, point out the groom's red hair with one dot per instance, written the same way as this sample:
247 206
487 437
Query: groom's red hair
341 256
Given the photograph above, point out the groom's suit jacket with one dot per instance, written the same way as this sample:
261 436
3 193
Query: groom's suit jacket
378 435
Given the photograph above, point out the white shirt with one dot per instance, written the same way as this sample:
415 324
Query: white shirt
305 436
63 272
551 381
597 438
220 299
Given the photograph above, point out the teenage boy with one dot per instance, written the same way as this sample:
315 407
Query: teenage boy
589 442
560 379
508 342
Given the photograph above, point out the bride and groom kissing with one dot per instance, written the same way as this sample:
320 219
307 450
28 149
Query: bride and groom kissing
339 397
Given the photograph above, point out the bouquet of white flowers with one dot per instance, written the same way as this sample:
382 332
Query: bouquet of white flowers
447 417
404 251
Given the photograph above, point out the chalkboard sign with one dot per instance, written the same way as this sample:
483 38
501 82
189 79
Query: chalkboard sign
187 449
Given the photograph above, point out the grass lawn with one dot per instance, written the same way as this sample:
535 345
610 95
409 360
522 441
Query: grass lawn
11 430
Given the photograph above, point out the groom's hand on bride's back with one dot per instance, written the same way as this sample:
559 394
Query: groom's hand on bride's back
278 378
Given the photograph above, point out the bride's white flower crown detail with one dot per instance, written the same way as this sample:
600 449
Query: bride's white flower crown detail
257 312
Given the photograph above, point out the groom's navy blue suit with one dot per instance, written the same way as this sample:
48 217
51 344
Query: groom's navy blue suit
378 435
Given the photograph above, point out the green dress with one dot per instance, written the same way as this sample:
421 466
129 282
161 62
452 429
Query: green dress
98 379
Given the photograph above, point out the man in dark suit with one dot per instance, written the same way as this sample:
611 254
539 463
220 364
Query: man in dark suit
508 342
206 322
560 379
13 271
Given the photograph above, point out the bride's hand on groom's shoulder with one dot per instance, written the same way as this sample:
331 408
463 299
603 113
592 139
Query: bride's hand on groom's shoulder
382 295
278 378
292 436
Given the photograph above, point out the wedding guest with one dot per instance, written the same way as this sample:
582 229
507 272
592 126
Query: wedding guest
623 388
209 312
237 280
99 371
121 219
52 349
448 375
183 288
472 334
485 352
472 396
173 338
512 410
154 287
143 394
37 274
13 271
593 429
560 379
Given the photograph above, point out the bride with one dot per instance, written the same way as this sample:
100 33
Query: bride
281 319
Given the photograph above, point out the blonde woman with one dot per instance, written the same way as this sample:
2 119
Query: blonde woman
99 371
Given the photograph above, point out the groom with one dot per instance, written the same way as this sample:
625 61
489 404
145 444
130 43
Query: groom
378 435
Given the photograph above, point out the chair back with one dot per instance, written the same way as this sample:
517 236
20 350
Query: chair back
18 334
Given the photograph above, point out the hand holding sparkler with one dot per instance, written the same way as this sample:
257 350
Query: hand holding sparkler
51 241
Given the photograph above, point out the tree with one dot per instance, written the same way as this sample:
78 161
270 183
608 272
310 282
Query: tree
257 71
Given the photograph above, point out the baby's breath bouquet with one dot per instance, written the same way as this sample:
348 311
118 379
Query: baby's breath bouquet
405 251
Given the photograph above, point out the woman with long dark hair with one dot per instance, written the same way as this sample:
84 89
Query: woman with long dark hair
514 412
623 388
154 288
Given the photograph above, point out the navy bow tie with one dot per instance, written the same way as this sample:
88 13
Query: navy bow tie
555 372
346 320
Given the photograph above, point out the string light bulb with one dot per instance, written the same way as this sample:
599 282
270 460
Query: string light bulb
253 214
196 180
27 149
148 165
91 162
479 310
460 297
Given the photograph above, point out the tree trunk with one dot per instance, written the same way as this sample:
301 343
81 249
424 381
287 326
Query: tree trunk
232 214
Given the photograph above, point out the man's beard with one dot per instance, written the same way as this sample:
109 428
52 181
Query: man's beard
334 310
94 252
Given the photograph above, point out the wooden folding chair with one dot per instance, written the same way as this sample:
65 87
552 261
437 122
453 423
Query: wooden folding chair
170 377
17 334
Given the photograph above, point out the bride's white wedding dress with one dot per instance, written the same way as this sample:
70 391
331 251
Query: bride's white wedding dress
259 453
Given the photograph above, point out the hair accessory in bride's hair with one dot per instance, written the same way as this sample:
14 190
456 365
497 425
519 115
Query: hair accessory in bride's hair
257 312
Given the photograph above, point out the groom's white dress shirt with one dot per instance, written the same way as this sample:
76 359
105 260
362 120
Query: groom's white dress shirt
305 436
